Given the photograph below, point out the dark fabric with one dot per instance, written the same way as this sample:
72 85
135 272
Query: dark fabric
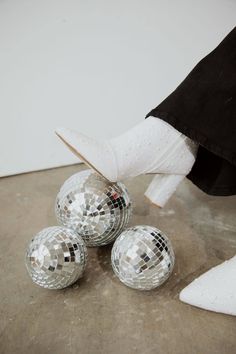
203 107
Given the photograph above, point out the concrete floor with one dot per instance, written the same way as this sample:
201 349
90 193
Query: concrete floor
99 314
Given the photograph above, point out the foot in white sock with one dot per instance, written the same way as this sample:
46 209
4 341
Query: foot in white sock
214 290
152 146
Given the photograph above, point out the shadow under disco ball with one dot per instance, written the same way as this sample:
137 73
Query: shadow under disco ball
56 257
95 208
142 257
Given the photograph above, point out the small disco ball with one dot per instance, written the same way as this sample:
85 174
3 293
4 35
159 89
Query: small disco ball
142 257
56 257
95 208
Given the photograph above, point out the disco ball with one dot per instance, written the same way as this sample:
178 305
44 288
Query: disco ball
95 208
56 257
142 257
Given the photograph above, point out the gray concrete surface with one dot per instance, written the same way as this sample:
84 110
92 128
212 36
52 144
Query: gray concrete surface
99 314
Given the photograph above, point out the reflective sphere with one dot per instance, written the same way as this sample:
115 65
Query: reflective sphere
95 208
142 257
56 257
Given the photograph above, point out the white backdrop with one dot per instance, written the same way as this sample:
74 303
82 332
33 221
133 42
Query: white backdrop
97 66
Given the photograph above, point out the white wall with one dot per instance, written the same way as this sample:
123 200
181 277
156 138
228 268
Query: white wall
97 66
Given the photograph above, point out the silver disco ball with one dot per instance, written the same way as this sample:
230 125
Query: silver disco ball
95 208
56 257
142 257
